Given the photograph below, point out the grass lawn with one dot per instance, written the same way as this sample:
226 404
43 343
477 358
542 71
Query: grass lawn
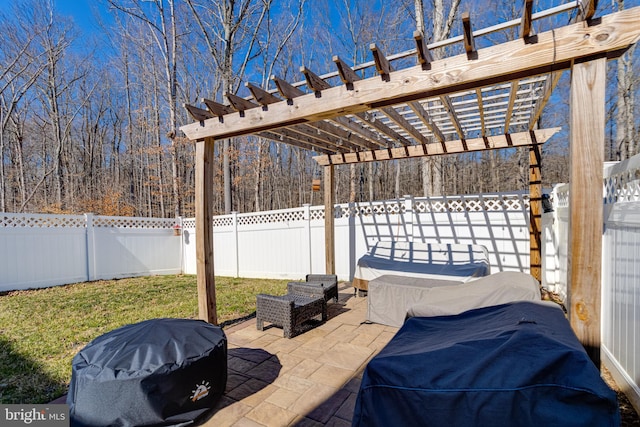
41 330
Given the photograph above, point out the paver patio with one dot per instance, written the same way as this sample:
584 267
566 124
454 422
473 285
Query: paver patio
309 380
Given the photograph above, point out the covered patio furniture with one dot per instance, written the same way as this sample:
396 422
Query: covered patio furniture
441 261
512 364
289 311
159 372
391 299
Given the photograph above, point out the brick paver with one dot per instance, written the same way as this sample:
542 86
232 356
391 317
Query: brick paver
309 380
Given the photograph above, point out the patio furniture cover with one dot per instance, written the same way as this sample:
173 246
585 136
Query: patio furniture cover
517 364
158 372
441 261
495 289
391 299
390 296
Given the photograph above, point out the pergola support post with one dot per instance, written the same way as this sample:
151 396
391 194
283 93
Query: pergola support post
204 231
535 211
584 263
329 229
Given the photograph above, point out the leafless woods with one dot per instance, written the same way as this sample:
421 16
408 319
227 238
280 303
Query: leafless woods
89 122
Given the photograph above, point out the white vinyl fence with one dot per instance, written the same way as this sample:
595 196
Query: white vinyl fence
620 269
288 244
621 274
48 250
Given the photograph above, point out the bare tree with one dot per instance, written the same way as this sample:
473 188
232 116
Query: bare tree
625 125
230 30
441 24
22 65
161 21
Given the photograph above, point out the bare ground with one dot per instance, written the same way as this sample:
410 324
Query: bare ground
629 416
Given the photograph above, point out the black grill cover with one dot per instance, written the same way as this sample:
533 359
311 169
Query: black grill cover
517 364
158 372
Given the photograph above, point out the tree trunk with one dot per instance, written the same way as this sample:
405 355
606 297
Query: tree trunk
432 166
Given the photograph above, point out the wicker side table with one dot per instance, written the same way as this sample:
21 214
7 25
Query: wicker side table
288 311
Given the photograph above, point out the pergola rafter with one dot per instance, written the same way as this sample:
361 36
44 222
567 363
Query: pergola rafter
486 98
511 61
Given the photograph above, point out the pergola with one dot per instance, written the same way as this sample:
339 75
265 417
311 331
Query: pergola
483 99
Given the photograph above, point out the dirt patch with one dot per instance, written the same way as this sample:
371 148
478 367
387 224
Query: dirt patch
628 415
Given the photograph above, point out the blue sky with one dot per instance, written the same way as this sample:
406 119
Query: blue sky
82 11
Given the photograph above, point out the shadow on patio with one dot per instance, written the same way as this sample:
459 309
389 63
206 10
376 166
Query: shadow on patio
309 380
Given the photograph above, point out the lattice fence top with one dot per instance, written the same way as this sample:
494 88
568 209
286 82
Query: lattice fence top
41 221
472 204
393 207
9 220
508 202
316 213
623 187
453 204
271 217
189 223
130 222
219 221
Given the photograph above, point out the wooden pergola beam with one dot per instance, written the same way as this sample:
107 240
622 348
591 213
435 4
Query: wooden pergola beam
383 128
314 81
198 113
467 32
204 177
295 142
422 51
450 109
513 93
587 9
554 51
286 89
339 143
373 137
586 147
216 108
519 139
240 104
483 130
261 96
525 24
329 220
347 75
535 211
362 137
382 63
399 120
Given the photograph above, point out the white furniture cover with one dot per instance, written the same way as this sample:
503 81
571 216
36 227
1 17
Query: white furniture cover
499 288
391 299
390 296
442 261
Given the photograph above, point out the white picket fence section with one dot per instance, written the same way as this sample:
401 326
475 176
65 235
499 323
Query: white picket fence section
288 244
48 250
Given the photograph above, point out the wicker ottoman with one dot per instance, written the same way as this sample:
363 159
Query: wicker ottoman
288 311
314 289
